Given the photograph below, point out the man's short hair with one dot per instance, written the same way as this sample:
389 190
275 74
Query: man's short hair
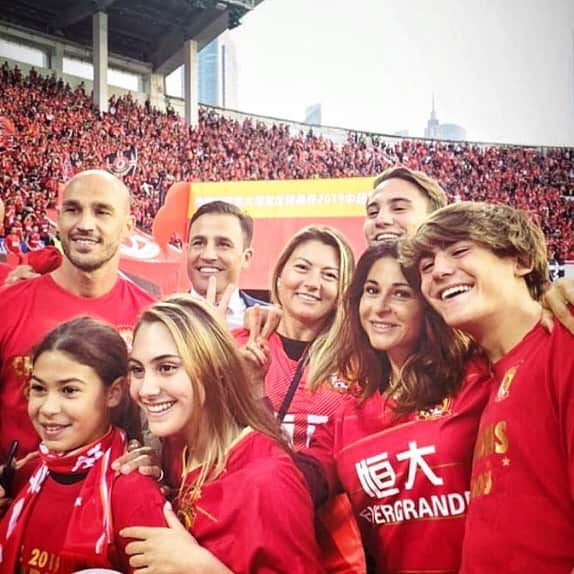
428 186
505 231
224 208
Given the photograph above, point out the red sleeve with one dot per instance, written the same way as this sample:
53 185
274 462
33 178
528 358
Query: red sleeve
562 357
136 501
278 532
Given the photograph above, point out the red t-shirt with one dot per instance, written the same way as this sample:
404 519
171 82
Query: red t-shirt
12 243
308 409
338 534
521 515
408 478
28 311
257 515
135 501
34 241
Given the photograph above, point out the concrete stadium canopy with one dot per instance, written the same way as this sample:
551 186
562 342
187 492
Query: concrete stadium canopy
151 31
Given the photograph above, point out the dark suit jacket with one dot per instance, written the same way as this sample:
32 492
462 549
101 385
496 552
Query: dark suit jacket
251 301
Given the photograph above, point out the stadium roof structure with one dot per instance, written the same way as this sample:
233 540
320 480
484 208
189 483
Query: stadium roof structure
151 31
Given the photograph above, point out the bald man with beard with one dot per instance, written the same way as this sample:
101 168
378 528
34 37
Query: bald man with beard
93 219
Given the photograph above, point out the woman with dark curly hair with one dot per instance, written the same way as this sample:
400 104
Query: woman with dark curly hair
403 450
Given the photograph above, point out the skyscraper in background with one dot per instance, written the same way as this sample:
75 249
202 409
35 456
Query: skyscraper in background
207 74
217 75
217 71
313 114
436 130
431 131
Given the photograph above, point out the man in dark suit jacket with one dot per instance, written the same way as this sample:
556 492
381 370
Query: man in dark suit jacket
219 245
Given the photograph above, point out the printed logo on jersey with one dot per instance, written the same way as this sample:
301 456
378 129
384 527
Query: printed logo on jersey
405 509
291 423
380 478
504 387
339 384
436 412
491 450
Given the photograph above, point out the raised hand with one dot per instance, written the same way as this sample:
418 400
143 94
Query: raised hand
261 321
223 303
144 459
20 273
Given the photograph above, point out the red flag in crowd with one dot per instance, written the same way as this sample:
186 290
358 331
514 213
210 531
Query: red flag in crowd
122 163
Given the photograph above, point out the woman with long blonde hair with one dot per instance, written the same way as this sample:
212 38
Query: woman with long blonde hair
308 284
240 497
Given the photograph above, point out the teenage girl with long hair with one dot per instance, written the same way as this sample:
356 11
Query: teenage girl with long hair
69 513
242 503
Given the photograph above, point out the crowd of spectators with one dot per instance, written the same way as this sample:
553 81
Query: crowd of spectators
59 132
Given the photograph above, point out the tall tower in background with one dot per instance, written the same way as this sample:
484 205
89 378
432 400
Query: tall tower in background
313 114
207 74
436 130
217 71
431 131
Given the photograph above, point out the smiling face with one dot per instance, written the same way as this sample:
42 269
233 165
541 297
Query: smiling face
159 382
395 209
390 311
216 249
308 285
469 285
68 404
93 220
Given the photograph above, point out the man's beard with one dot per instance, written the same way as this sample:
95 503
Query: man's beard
87 266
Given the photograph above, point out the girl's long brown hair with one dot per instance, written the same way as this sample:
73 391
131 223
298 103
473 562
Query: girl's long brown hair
215 370
434 370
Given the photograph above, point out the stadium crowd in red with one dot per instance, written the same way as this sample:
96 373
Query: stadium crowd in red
59 132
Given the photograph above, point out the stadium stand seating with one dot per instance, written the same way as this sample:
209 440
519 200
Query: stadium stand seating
58 132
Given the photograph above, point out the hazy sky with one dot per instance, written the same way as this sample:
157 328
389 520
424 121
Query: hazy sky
502 69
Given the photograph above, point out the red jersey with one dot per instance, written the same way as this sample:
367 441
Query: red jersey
308 409
408 478
257 515
521 515
338 534
12 243
29 310
135 501
34 241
